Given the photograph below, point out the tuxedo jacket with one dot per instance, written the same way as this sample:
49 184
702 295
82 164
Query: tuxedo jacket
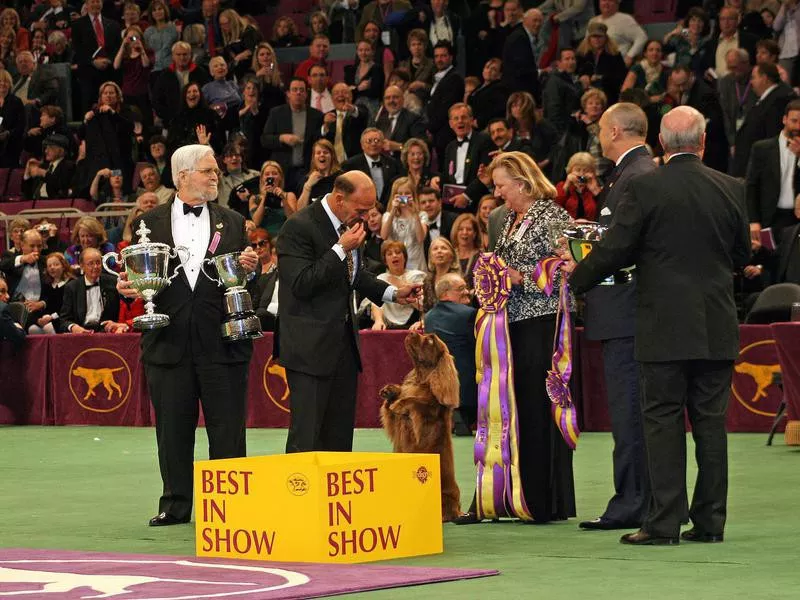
446 226
611 309
279 122
763 121
764 181
84 42
14 274
684 225
480 145
352 128
390 167
58 182
315 298
264 291
73 306
195 315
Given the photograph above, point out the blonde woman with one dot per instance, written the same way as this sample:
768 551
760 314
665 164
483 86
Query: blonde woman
9 18
272 205
465 236
485 207
57 274
87 233
600 63
416 158
402 223
324 170
239 39
441 261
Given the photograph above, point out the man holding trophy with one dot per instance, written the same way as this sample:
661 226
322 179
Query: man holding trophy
184 354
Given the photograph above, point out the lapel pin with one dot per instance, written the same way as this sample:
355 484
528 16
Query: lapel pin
219 225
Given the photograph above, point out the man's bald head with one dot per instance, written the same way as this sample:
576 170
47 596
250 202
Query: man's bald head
353 196
533 20
683 129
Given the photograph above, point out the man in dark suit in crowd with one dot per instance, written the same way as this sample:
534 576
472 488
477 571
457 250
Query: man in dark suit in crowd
169 83
520 71
736 96
439 222
290 132
453 320
765 119
397 123
504 140
91 302
10 329
773 181
188 359
95 40
562 92
788 270
488 101
343 126
24 272
685 228
35 85
383 169
464 156
610 318
51 179
320 268
448 88
712 54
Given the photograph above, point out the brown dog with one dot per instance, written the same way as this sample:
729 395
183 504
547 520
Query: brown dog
418 415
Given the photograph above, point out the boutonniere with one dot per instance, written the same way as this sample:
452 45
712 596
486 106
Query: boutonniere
212 247
220 225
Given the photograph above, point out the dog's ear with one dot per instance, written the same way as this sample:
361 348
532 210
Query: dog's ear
412 344
444 377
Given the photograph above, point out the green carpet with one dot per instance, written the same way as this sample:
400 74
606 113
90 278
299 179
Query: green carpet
93 488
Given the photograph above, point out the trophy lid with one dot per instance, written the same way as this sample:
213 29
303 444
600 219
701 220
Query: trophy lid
144 244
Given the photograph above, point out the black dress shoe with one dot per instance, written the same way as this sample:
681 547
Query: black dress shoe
603 524
163 519
695 535
466 519
642 538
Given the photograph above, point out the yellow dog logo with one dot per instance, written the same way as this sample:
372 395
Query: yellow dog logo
94 377
761 374
753 377
95 367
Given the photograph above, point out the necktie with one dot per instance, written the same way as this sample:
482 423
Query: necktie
392 124
348 257
318 104
196 210
338 145
211 36
98 32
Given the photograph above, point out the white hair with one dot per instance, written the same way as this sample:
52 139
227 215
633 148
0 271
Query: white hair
446 283
186 158
683 130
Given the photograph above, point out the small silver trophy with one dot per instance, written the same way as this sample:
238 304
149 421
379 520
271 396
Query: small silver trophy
581 239
147 266
241 322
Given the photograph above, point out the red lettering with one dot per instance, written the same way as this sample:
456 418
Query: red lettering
390 536
208 486
371 472
240 541
353 482
264 541
364 547
222 536
334 547
207 542
333 485
226 482
213 509
364 541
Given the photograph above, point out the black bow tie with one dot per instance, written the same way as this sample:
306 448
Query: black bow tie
433 226
377 165
91 285
197 210
464 141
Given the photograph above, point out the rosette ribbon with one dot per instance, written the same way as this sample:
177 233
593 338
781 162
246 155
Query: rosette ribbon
557 382
499 485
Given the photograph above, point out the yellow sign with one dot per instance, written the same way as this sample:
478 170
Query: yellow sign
326 507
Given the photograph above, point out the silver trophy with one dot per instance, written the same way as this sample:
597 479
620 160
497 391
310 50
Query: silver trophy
147 266
241 322
581 240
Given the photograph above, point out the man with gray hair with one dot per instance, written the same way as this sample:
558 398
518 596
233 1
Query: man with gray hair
736 95
187 360
685 228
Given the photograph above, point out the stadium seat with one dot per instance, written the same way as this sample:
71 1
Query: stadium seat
14 190
3 181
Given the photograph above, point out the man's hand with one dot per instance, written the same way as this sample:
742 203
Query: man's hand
353 237
30 258
752 271
378 326
101 64
79 329
42 321
628 61
460 201
289 139
329 119
34 305
113 327
755 236
203 136
409 294
248 259
125 287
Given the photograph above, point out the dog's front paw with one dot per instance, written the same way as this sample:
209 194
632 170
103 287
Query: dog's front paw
389 393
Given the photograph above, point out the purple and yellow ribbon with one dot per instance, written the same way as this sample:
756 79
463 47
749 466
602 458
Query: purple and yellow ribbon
499 485
557 382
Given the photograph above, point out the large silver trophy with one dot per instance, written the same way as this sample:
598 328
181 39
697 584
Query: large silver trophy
581 240
241 322
147 266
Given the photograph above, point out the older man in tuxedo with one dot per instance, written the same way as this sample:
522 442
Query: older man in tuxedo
382 168
464 157
91 302
187 360
684 226
320 268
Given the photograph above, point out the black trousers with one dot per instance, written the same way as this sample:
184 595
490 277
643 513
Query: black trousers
174 391
701 387
631 483
323 409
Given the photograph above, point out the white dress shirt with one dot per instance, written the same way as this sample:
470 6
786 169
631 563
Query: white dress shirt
437 77
788 166
433 232
194 233
94 303
322 101
461 160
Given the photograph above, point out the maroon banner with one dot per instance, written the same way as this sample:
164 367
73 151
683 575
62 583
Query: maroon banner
787 338
97 380
24 383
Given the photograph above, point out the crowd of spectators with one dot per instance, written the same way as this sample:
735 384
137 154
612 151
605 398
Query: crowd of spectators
148 77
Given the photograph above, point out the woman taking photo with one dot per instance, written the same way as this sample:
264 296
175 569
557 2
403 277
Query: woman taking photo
324 170
272 205
402 223
577 194
240 40
687 37
441 261
466 239
265 68
135 62
392 315
416 159
57 274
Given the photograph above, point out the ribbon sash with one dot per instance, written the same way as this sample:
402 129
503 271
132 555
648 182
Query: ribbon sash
499 488
557 382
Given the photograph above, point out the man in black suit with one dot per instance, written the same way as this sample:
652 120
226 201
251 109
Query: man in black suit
505 140
464 156
520 71
562 92
381 168
789 256
765 119
610 318
91 302
343 126
773 181
398 124
439 222
169 83
35 85
10 329
685 228
24 272
488 101
95 40
290 132
320 268
711 56
51 179
188 359
448 88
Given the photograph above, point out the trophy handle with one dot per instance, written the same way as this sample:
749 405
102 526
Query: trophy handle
176 252
203 264
106 258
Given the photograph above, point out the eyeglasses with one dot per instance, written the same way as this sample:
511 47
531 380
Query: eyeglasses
209 172
262 244
374 140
